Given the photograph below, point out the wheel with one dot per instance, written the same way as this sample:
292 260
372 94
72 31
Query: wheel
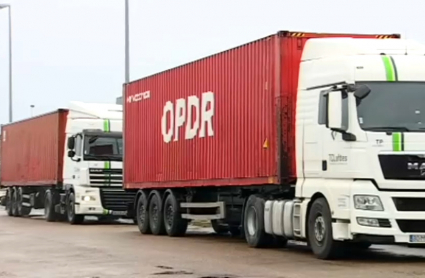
22 210
320 234
142 215
218 227
9 202
174 224
255 234
15 210
156 221
49 207
70 210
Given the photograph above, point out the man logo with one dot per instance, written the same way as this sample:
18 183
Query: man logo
417 166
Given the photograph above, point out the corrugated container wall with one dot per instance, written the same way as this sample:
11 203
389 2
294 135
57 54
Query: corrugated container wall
33 150
244 133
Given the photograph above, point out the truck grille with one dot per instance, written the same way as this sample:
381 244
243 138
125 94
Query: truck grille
105 177
411 226
116 199
409 204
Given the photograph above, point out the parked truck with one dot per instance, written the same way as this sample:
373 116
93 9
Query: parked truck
317 138
68 162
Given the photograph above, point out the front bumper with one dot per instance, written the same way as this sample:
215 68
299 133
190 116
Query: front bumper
397 223
94 201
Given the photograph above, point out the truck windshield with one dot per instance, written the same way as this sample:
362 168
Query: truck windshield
102 148
393 106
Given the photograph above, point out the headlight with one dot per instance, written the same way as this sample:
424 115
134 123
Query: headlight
88 198
368 202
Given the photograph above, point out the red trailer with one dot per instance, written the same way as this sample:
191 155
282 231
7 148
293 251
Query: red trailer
34 149
201 138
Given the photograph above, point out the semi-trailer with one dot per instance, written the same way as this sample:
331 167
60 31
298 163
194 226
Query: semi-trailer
296 136
309 137
67 162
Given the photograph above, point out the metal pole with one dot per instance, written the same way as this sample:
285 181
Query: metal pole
10 60
10 66
127 43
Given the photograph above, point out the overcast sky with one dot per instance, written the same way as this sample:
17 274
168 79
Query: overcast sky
66 50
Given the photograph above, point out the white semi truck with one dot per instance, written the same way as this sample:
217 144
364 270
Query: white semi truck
68 162
301 136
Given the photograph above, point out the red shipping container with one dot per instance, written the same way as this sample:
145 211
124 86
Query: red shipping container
33 150
228 119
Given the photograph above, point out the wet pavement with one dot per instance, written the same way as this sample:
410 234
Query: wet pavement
31 247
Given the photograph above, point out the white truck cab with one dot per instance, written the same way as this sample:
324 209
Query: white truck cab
93 166
360 143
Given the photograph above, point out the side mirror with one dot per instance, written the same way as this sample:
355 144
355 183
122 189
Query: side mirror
335 114
71 154
361 91
71 143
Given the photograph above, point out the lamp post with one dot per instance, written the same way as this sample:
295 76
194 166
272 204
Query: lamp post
3 6
32 109
127 43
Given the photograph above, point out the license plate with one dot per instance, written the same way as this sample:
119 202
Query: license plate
119 213
417 238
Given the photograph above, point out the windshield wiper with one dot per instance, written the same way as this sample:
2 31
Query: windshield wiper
387 128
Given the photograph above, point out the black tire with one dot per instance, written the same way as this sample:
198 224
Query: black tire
174 224
219 228
255 234
142 214
9 202
22 210
15 211
73 218
49 207
156 219
320 234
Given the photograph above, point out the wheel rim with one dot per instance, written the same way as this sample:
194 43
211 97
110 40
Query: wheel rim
142 212
169 215
319 229
252 221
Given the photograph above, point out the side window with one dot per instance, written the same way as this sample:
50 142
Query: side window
78 145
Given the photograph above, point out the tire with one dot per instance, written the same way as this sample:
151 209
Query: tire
9 202
49 207
156 219
142 214
15 210
23 211
73 218
253 225
320 234
174 224
219 228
